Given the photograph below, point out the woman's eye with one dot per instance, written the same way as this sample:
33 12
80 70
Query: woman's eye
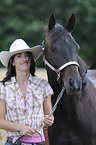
18 56
26 55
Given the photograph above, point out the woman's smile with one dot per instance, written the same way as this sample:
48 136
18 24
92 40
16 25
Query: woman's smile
25 63
22 62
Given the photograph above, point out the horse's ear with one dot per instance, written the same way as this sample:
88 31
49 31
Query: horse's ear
52 22
71 23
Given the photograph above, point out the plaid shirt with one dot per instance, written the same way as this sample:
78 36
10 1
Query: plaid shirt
29 111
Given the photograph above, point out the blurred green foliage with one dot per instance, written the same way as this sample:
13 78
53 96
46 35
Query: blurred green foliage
27 19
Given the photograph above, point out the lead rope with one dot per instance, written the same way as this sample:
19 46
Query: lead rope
53 109
57 101
17 140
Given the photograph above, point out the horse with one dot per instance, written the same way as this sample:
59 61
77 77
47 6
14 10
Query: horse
75 115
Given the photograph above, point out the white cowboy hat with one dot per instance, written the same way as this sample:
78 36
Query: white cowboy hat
18 46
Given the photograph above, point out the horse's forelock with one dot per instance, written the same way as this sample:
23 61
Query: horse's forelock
54 34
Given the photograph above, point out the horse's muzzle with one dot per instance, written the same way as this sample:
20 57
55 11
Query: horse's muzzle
75 85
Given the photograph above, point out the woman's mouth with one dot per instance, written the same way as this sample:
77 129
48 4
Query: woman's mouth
24 64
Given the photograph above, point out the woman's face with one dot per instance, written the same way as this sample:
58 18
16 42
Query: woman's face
22 62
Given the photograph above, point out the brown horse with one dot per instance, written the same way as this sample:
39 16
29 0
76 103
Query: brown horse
75 115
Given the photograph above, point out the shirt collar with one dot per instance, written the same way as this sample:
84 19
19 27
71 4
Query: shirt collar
13 79
30 78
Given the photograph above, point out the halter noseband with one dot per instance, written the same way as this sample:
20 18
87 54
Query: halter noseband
61 67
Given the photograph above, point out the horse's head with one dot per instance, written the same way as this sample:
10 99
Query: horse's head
62 53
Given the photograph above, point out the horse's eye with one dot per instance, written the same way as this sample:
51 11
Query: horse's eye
51 48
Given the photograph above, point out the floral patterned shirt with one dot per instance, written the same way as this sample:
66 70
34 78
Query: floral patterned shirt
28 111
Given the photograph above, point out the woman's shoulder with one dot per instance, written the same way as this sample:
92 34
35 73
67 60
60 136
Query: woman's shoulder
2 86
9 82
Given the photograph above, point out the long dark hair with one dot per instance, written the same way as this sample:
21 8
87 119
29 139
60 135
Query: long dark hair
11 69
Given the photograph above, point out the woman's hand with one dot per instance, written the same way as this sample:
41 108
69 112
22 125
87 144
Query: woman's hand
48 120
27 130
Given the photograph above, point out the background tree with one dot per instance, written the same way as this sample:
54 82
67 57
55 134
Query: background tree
27 18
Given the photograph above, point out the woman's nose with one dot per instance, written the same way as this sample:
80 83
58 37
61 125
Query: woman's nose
24 58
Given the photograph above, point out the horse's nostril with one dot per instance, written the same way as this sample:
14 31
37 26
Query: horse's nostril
71 81
74 85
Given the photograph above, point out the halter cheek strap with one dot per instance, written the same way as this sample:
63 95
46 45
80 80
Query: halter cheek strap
61 67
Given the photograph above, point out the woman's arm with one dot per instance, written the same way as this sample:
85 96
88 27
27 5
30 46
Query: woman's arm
9 126
47 110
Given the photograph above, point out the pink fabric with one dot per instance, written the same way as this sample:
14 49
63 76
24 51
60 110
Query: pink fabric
33 139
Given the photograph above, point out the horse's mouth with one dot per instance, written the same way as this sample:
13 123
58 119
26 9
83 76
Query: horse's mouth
70 92
73 90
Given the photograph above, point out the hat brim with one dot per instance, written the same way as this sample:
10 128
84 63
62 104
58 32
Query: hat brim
6 55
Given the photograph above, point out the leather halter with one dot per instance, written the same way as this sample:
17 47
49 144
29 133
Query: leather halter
61 67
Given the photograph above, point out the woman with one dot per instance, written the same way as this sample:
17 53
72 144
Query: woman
25 98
